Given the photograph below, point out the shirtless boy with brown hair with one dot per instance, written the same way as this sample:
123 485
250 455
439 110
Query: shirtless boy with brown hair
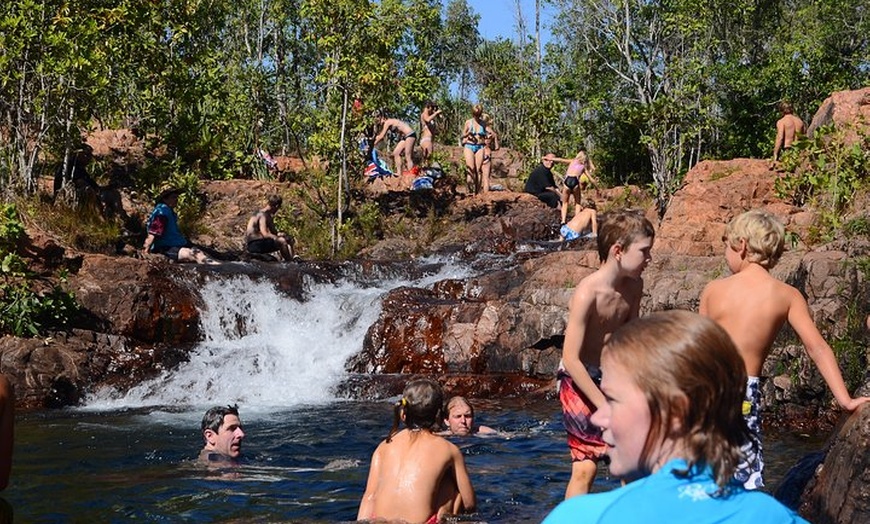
752 306
602 302
415 475
788 128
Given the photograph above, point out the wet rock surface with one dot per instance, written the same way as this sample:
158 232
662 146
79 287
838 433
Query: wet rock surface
839 490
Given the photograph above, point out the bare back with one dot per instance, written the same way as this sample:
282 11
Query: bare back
414 475
752 307
596 310
259 226
788 128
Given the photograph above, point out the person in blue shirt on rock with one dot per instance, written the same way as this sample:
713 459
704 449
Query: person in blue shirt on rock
164 236
672 421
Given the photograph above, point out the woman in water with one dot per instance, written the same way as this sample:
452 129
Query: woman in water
415 475
672 421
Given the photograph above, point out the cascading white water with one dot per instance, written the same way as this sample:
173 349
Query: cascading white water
263 349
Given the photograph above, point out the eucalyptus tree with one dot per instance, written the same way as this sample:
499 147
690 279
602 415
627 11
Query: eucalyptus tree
54 67
654 57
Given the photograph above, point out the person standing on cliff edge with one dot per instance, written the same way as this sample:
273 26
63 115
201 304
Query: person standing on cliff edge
788 128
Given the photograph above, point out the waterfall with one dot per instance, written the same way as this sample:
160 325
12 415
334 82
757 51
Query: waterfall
266 350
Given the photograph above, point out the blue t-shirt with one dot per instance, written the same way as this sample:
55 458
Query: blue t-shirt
163 224
665 497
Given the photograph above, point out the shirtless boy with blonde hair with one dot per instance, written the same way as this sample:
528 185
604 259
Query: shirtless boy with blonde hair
602 302
752 306
415 475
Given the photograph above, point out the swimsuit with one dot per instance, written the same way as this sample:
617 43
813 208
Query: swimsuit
412 134
262 245
568 234
474 146
749 471
571 182
584 438
665 496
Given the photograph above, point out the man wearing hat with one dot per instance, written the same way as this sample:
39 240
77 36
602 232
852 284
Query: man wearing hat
541 182
164 237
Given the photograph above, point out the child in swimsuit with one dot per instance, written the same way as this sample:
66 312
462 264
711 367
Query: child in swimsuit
672 423
441 484
577 178
752 306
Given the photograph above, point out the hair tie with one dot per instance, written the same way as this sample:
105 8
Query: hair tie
403 402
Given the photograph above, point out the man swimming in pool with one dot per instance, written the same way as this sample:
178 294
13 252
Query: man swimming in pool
223 435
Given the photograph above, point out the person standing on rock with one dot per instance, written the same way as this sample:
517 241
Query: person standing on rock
601 303
223 435
164 236
542 184
261 235
788 128
752 306
427 130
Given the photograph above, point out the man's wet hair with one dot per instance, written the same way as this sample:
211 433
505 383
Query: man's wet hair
275 201
214 417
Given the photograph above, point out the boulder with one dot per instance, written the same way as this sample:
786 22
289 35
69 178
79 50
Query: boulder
848 111
839 492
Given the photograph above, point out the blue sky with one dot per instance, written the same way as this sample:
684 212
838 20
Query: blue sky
498 17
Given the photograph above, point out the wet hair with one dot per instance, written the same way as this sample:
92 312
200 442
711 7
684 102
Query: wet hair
694 381
275 201
785 107
622 226
764 235
477 110
430 105
454 400
590 204
422 404
214 417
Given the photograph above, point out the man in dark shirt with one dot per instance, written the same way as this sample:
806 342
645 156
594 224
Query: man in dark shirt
541 182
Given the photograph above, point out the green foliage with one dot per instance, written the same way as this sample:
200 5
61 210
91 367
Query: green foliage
851 348
825 171
24 310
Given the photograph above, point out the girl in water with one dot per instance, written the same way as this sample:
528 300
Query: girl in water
427 131
415 475
577 179
473 141
674 384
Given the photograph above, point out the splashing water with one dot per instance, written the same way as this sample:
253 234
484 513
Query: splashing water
263 349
